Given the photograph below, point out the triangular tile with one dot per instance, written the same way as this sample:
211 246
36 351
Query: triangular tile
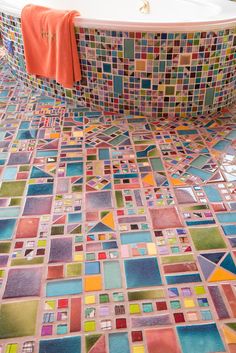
214 257
228 264
221 274
206 266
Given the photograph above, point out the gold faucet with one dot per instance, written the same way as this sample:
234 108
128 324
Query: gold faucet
145 6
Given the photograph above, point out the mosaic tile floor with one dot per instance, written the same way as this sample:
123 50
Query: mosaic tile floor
117 233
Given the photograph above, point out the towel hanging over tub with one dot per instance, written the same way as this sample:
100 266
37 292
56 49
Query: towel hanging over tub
50 44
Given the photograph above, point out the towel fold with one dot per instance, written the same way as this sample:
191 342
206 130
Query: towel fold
50 44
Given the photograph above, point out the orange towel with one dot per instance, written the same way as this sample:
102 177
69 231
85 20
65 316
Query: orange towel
50 44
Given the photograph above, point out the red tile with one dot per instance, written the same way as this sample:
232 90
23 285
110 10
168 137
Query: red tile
19 244
161 306
179 317
102 256
137 336
27 228
121 323
62 303
75 315
55 272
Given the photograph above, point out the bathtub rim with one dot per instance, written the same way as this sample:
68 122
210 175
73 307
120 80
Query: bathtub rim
167 27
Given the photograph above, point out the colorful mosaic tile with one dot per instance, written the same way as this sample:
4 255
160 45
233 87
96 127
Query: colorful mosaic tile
117 233
140 73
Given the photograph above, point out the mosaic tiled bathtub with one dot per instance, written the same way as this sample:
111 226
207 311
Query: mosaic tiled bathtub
143 69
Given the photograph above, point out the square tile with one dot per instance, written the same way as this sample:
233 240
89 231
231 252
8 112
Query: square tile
207 238
18 319
25 282
142 273
166 217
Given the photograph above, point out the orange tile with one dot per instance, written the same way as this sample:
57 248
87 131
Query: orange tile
93 283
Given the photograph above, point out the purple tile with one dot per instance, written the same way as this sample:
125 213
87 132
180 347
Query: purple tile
37 206
23 282
19 158
98 200
61 250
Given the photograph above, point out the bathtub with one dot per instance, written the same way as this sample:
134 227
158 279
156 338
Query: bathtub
179 59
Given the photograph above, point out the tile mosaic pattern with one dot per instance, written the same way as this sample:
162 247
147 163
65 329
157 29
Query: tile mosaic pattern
117 232
141 73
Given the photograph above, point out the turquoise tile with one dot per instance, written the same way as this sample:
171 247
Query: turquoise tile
178 279
66 287
200 161
203 174
118 342
40 189
112 275
103 154
136 237
200 338
226 217
61 345
229 229
129 48
7 227
212 193
106 67
209 96
10 173
118 84
221 145
74 169
146 84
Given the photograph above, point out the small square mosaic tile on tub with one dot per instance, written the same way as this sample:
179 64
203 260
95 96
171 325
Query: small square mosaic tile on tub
117 232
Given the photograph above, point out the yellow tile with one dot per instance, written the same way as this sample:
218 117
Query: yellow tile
90 299
189 303
138 349
134 309
93 283
151 248
89 326
50 305
161 88
42 243
140 65
12 348
78 257
77 133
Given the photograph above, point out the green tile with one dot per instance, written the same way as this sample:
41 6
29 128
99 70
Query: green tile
27 262
156 164
175 259
74 270
146 294
15 202
170 90
119 199
118 84
129 48
5 248
18 319
209 97
207 238
91 340
12 188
